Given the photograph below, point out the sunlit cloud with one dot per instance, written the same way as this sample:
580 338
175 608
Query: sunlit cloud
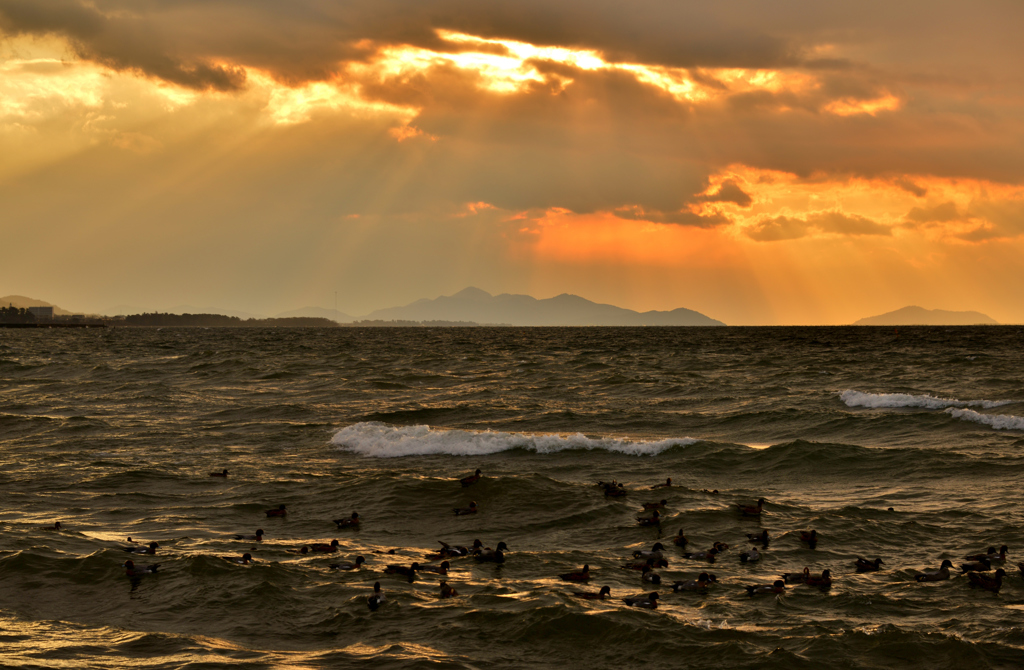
33 88
852 106
508 66
289 105
793 206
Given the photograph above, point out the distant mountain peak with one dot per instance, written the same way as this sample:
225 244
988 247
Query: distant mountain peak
472 293
919 316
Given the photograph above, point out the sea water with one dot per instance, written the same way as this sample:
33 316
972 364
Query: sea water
901 444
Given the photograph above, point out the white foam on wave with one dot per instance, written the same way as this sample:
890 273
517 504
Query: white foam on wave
379 440
894 400
997 421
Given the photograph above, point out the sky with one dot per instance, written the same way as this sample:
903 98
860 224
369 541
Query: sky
764 163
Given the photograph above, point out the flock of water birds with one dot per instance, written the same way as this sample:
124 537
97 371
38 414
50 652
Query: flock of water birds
977 567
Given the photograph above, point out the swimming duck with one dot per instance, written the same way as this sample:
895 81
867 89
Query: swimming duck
446 590
809 537
656 552
133 571
56 526
991 582
258 537
448 551
720 547
436 569
650 576
351 522
461 511
864 565
579 576
751 556
751 510
492 555
151 549
223 473
655 505
824 580
322 548
376 599
280 511
708 555
1020 566
348 566
1000 557
472 479
605 592
407 572
647 565
991 555
667 484
653 520
936 575
778 586
613 488
246 559
702 582
303 550
978 566
650 601
797 577
680 540
761 537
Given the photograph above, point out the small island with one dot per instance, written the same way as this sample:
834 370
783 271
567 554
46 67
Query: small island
919 316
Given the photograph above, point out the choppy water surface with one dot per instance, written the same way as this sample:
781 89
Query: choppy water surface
114 433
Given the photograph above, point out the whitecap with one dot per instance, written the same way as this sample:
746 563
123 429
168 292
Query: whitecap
997 421
380 440
896 400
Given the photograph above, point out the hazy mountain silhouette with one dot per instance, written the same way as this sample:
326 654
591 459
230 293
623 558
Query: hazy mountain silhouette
473 304
919 316
23 302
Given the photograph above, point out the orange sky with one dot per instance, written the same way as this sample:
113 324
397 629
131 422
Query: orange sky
761 164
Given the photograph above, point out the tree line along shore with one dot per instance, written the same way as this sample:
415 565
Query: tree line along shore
21 317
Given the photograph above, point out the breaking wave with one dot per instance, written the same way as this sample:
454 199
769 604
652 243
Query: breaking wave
997 421
380 440
893 400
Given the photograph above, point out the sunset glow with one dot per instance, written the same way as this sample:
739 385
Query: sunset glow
435 151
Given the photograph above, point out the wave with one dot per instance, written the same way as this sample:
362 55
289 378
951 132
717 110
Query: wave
997 421
380 440
893 400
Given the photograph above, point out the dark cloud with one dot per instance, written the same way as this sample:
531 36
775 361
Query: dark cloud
778 228
910 187
790 228
123 43
729 191
1002 218
682 217
942 213
302 40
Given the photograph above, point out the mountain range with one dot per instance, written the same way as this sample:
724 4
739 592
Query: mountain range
473 305
478 306
919 316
